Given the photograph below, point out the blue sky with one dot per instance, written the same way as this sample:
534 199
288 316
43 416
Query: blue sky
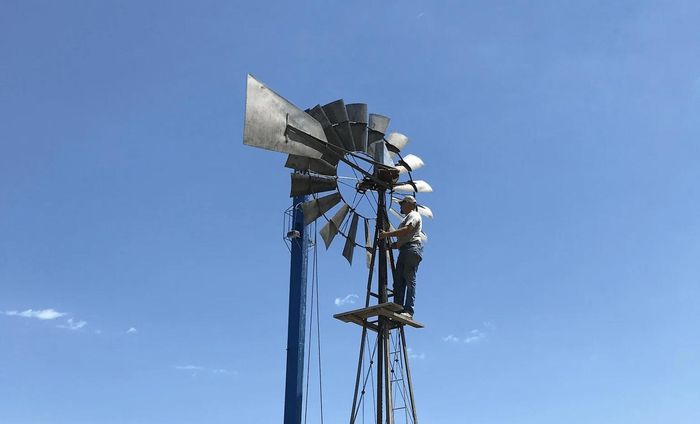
143 278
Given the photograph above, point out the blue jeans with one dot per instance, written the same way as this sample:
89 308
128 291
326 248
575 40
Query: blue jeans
405 276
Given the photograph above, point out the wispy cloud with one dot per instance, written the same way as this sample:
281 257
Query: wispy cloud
72 324
132 330
414 355
225 372
474 335
43 314
195 370
188 367
347 300
49 314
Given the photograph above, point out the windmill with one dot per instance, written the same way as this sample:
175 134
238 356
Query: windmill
320 142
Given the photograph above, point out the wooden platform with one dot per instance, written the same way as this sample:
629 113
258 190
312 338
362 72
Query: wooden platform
390 310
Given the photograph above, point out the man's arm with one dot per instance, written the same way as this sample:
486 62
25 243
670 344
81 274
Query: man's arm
397 233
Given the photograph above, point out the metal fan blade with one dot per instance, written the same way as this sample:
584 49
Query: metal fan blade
380 153
376 126
422 209
318 166
268 116
336 111
396 214
317 207
409 163
418 186
368 244
357 113
309 184
332 137
425 211
338 116
345 133
359 136
330 230
349 247
397 140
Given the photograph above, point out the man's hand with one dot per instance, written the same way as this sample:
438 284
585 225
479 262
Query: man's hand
383 234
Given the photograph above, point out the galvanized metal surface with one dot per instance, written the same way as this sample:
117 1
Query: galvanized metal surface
376 128
425 211
397 140
381 154
410 163
417 186
359 136
330 230
396 214
319 166
357 112
349 247
310 184
412 398
332 137
345 133
378 123
267 116
336 111
368 244
317 207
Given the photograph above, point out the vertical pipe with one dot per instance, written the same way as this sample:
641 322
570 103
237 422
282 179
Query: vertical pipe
353 415
381 224
387 378
296 324
380 372
383 334
408 376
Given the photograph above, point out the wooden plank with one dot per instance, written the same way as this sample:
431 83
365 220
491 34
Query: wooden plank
389 309
370 312
405 320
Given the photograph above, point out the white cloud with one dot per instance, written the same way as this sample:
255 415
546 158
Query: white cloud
44 314
188 367
196 370
474 336
489 325
450 338
413 355
347 300
131 330
225 372
73 325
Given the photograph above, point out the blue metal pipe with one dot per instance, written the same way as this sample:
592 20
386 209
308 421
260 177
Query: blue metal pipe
296 324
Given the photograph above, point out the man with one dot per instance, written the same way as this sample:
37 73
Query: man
410 245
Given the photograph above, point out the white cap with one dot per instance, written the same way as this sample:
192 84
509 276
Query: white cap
408 199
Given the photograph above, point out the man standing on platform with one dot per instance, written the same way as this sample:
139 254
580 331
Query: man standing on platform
410 245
